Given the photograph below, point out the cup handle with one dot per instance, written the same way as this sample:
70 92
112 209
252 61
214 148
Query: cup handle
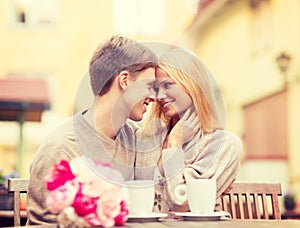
180 192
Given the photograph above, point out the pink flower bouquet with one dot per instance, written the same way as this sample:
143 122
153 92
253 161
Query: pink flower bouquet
81 197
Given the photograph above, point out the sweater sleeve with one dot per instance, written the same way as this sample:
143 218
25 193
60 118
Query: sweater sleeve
218 157
47 155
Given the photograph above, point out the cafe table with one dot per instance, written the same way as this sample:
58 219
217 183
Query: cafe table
234 223
222 224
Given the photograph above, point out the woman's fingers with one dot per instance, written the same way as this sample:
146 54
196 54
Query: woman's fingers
185 129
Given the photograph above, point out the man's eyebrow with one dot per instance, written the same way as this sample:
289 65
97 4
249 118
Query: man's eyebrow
150 82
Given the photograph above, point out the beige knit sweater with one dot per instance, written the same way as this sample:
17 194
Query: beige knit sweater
75 138
216 155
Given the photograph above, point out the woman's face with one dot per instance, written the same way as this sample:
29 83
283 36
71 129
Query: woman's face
170 96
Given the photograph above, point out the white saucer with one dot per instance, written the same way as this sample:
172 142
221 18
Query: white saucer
215 216
146 218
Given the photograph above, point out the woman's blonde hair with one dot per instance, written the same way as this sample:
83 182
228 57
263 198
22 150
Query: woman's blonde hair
186 69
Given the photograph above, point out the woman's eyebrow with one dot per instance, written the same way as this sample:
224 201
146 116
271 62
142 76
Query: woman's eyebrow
163 81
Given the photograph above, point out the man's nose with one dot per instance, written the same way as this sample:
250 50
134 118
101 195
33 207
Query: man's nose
160 94
152 95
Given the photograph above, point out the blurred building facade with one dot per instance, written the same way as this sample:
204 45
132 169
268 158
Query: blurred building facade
54 40
239 40
252 47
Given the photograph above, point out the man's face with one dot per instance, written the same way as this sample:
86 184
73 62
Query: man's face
140 93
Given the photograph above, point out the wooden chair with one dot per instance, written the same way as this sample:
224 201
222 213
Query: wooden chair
17 186
248 200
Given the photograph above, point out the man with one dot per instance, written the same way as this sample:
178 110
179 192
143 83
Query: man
122 72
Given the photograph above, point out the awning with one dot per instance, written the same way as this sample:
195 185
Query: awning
23 99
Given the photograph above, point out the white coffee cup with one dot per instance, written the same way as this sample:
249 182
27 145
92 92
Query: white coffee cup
141 197
200 194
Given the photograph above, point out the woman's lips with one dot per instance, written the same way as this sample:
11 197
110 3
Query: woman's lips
166 104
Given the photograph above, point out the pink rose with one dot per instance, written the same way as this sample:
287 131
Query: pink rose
121 218
96 187
59 174
93 219
68 218
84 204
109 205
61 197
86 170
95 177
83 192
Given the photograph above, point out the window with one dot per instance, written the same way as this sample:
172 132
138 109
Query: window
260 24
139 17
32 13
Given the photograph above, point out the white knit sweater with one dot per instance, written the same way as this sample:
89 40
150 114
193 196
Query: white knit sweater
215 155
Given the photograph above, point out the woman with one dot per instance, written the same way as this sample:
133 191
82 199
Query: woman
185 136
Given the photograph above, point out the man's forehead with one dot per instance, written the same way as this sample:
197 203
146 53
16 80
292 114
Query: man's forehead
147 80
147 77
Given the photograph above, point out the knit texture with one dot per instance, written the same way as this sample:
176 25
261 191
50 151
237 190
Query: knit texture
216 155
75 138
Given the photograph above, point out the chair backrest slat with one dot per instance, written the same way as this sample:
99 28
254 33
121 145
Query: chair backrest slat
275 206
264 206
243 201
240 205
232 205
17 186
224 203
256 206
249 205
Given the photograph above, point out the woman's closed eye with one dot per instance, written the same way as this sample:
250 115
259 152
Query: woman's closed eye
167 85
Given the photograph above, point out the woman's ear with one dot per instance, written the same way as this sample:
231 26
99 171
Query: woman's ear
123 79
